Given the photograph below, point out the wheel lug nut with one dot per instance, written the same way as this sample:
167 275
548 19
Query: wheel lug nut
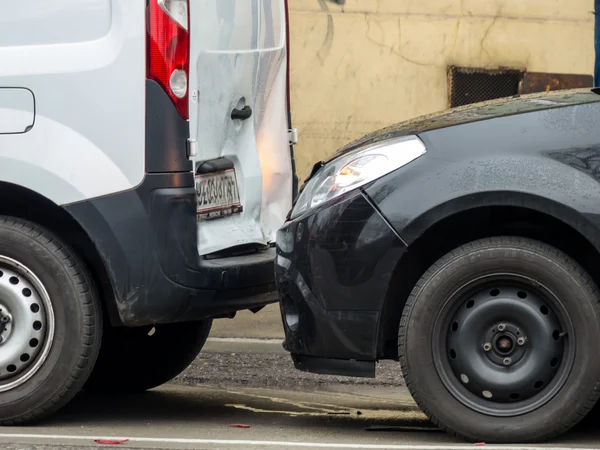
487 347
521 341
507 361
501 327
5 319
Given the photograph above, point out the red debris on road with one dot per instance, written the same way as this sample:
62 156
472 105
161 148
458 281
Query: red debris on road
111 441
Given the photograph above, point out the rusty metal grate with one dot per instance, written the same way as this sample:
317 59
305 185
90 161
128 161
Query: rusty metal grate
472 85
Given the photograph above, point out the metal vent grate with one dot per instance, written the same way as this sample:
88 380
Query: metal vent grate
470 85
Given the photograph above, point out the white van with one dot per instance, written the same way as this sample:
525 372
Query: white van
146 162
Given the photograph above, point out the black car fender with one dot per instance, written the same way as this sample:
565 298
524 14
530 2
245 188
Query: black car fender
420 198
430 190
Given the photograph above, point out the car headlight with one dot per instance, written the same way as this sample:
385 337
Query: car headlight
355 169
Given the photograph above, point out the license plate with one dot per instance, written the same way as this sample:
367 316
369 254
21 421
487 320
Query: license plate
217 195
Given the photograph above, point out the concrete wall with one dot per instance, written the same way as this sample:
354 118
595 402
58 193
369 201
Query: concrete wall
371 63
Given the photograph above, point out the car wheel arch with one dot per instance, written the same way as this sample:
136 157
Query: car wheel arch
429 236
20 202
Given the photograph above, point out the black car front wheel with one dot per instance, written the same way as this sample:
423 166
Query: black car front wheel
498 341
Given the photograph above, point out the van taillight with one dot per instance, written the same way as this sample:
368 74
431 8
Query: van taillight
168 49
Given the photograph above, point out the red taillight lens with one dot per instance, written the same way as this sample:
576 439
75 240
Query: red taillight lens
168 47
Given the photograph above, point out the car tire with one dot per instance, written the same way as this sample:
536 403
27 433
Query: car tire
134 360
51 324
487 341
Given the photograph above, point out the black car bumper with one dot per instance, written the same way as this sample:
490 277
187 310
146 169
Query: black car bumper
332 269
147 240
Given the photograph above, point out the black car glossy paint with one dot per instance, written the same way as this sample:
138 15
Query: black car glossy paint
537 153
544 160
493 109
334 280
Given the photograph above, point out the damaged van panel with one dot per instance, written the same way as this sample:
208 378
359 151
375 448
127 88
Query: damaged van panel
238 112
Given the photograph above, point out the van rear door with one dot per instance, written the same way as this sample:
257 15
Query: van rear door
238 116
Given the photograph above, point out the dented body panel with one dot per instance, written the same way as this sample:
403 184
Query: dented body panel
239 62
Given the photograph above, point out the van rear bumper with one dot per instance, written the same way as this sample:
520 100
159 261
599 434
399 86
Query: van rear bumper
147 240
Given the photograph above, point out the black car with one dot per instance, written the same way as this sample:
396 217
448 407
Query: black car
465 245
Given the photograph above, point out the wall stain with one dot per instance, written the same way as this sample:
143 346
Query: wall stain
325 49
484 38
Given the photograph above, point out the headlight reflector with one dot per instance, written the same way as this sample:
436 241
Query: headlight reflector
357 168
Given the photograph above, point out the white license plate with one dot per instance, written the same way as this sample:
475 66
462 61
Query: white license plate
217 195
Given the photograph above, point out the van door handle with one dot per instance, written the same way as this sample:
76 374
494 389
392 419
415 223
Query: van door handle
241 114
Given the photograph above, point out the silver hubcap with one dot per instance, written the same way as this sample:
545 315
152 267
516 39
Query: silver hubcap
26 324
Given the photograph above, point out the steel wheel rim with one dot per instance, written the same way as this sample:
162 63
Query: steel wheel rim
27 324
467 389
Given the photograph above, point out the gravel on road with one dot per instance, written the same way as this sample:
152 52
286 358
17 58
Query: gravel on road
274 370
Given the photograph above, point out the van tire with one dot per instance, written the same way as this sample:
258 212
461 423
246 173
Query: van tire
133 360
439 345
34 262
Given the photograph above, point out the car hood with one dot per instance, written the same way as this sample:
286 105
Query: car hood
476 112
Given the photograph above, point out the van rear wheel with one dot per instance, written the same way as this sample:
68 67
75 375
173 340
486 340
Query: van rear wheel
498 341
50 323
133 360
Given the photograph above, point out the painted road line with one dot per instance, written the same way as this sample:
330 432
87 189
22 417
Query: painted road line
246 340
247 443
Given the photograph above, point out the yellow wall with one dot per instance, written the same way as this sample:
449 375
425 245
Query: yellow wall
371 63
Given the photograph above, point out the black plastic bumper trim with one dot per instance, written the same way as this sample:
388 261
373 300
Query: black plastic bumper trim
167 133
328 366
214 165
147 240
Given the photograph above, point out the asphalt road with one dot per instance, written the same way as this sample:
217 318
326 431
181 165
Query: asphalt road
265 324
243 392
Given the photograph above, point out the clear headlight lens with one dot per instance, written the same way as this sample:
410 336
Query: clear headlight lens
357 168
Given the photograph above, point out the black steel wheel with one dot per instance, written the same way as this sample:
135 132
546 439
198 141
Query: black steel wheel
503 345
496 341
